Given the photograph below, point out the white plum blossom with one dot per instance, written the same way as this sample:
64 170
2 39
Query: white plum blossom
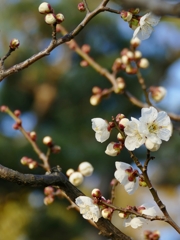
100 126
127 176
136 222
88 209
154 125
146 24
134 138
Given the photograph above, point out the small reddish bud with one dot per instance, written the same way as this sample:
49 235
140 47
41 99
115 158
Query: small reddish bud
3 108
86 48
119 117
60 17
126 16
81 7
16 126
123 122
55 149
14 43
84 63
17 113
48 190
96 90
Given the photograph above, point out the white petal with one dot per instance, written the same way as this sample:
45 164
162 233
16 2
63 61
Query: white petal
131 187
145 32
136 32
135 222
152 19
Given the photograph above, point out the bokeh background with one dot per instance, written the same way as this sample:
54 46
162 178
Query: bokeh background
53 96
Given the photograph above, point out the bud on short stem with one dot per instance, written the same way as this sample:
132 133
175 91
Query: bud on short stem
14 44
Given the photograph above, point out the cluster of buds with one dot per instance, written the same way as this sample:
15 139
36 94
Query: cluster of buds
49 143
97 95
81 7
106 211
18 123
29 162
50 16
85 169
86 49
131 17
157 93
149 235
127 59
51 193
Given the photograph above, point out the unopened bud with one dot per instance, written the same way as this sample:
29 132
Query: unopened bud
50 18
122 215
55 149
96 90
125 59
17 113
135 42
137 54
123 122
86 169
120 137
60 17
113 149
47 141
95 99
84 63
157 93
143 63
126 16
24 160
45 8
33 164
96 193
48 200
76 178
81 7
107 213
69 172
120 85
14 43
48 190
3 108
33 135
86 48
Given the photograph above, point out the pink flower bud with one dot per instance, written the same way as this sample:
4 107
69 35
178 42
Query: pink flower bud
55 149
50 18
84 63
86 48
17 113
126 16
48 200
60 17
96 90
14 43
24 160
81 7
48 190
3 108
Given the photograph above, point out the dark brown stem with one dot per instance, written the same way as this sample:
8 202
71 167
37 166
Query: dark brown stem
57 178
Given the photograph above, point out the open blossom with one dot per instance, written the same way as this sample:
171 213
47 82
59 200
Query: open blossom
146 24
127 176
134 138
88 209
100 126
154 125
136 222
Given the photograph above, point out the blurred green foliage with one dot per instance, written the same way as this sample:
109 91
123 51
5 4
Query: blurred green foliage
53 94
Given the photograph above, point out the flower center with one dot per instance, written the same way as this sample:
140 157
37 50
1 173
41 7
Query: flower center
153 128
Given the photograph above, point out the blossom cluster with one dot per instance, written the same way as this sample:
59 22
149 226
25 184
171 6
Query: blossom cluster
95 208
151 128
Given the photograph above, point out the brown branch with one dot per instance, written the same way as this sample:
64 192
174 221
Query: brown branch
54 43
57 178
